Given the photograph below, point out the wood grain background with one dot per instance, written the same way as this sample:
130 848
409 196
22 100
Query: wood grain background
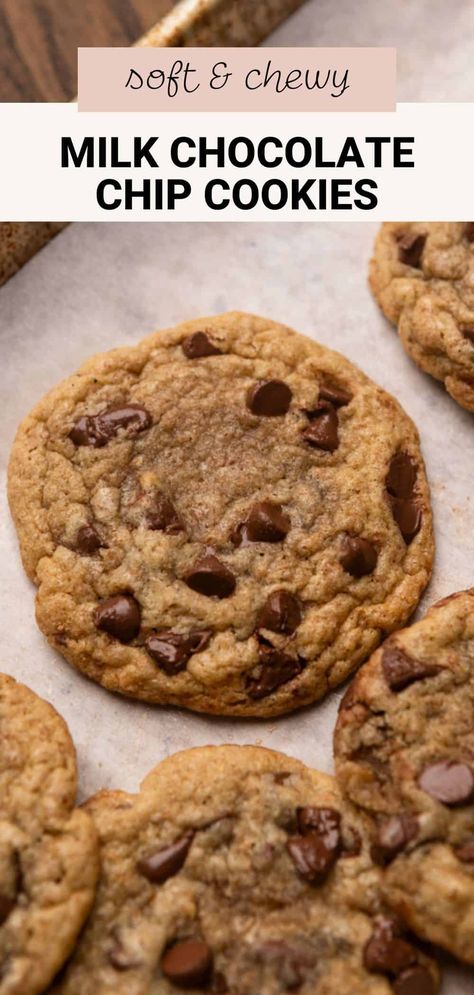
39 40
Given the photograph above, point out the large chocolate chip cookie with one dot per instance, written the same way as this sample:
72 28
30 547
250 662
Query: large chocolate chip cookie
422 275
238 870
405 755
227 516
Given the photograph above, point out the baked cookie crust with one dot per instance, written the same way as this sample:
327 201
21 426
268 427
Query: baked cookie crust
226 517
404 747
422 275
238 870
48 849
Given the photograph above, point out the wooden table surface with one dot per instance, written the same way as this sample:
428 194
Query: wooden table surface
39 40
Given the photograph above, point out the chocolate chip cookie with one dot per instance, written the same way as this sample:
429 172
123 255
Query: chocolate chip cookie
225 517
422 275
405 755
238 870
48 849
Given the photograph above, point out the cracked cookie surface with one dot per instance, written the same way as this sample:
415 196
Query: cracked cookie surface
239 870
226 517
48 849
405 755
422 275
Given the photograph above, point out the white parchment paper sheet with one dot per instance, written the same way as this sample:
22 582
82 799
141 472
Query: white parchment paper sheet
98 286
433 39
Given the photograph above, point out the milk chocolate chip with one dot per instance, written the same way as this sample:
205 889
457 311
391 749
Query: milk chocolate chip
334 394
467 331
198 345
188 964
400 483
269 397
416 980
280 613
465 853
401 477
448 782
162 517
277 668
469 231
88 540
400 670
210 577
358 556
157 867
6 906
119 616
98 430
410 249
311 857
407 516
393 835
171 650
266 522
317 848
324 821
387 953
323 433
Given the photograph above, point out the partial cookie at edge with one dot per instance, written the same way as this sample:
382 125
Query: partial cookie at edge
404 746
48 849
422 275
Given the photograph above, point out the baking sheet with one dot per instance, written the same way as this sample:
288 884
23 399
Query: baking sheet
219 22
97 286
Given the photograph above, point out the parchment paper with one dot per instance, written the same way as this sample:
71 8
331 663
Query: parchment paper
97 286
433 39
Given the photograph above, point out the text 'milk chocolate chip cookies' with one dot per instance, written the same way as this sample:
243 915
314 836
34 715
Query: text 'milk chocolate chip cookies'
405 755
422 275
48 849
226 517
239 870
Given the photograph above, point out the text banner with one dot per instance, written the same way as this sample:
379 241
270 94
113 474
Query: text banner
237 79
60 165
